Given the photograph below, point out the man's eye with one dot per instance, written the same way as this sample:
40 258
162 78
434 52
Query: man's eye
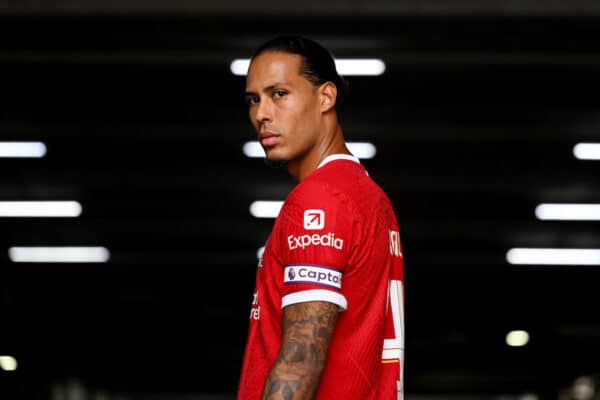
279 93
251 100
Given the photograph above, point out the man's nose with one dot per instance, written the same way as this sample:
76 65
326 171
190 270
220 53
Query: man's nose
264 112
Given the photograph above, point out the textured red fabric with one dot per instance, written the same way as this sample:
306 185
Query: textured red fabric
336 239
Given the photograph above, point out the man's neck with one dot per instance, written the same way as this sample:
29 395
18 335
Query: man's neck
331 144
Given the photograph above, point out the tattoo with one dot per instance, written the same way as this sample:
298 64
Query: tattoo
306 331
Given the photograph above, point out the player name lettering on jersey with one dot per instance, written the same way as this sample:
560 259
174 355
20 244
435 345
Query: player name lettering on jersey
395 244
313 274
328 240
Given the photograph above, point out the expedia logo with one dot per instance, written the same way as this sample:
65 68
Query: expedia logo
328 240
314 219
313 274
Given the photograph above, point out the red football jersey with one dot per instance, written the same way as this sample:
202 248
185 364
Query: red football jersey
336 239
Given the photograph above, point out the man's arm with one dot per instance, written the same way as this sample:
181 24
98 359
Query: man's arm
306 333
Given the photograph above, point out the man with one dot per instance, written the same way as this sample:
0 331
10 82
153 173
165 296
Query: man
327 315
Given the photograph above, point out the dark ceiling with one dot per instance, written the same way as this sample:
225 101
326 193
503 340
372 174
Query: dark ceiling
474 121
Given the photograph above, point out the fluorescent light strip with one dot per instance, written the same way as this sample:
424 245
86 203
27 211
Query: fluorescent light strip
59 254
239 66
547 256
8 363
22 149
587 151
360 66
362 150
265 209
517 338
344 66
253 149
40 209
568 212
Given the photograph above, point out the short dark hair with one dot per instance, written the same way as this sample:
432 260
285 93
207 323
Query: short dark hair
318 64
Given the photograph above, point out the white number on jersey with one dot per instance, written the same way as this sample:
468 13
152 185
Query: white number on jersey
393 348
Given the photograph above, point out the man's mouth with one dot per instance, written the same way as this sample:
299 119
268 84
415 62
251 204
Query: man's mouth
268 139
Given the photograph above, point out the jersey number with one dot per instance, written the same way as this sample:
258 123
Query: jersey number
393 348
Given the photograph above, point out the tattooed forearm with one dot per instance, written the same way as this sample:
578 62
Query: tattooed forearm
306 332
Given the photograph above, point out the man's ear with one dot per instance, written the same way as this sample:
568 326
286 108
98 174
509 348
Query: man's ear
327 96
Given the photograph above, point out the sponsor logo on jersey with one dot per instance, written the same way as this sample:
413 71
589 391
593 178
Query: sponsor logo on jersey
327 240
314 219
255 310
395 248
313 274
260 253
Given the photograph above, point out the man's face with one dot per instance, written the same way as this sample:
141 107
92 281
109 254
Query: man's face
283 106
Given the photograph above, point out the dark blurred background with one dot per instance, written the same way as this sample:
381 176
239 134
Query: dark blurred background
474 121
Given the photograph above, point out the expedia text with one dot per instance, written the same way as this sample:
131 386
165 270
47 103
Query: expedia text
328 240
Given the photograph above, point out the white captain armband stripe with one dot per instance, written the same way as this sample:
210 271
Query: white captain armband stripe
315 295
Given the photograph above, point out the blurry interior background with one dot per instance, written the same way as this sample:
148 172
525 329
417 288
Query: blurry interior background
128 117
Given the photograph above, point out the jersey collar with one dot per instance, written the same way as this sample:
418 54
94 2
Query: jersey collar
334 157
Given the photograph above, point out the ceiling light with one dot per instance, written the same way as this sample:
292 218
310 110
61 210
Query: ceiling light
528 396
568 212
344 66
363 150
240 66
541 256
22 149
358 66
59 254
8 363
517 338
40 209
587 151
253 149
265 209
584 388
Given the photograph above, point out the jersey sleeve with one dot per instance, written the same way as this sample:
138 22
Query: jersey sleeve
314 234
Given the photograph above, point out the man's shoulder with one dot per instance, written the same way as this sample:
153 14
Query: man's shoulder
322 185
350 179
344 184
337 175
315 191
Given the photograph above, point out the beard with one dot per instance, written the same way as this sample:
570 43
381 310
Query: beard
276 162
